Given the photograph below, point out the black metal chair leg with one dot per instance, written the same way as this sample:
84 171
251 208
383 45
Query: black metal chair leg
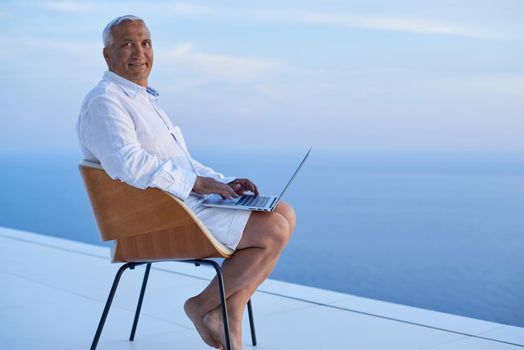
251 323
140 299
222 298
223 302
109 301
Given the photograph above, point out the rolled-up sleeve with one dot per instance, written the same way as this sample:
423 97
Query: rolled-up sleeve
203 170
109 133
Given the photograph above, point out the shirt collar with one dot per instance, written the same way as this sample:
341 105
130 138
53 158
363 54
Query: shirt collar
130 88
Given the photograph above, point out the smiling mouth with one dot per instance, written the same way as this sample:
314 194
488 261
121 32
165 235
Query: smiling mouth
137 65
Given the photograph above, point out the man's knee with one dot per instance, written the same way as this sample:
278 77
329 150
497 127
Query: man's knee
279 231
266 230
288 212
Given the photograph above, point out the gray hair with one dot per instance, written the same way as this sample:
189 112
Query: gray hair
107 36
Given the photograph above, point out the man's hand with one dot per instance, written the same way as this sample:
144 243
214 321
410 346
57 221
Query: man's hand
243 185
207 185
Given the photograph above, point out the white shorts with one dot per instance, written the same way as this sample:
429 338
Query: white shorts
226 225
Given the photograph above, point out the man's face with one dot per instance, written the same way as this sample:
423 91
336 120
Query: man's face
130 53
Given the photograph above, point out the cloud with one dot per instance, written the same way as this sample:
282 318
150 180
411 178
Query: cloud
45 47
509 86
68 6
409 24
228 67
42 59
152 8
387 23
188 9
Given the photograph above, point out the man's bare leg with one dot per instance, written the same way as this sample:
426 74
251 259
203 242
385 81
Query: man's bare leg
236 304
265 235
244 267
264 238
287 211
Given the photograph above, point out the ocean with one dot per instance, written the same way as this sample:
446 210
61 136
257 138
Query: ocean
437 231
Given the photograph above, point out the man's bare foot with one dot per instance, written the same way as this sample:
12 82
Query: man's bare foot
214 322
194 314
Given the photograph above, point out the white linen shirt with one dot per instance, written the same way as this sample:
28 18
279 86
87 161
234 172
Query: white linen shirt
122 127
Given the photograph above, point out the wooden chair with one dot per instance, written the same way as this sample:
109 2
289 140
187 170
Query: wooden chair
148 226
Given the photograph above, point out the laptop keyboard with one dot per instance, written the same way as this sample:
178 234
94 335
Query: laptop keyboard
252 200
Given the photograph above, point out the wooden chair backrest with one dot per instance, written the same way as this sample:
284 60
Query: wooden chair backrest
147 224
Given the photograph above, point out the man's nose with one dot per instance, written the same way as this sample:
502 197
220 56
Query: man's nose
138 51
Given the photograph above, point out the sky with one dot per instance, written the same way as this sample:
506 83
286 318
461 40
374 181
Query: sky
337 75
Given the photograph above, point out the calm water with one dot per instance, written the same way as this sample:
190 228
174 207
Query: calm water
442 232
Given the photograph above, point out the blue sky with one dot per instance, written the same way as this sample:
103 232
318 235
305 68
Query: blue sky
347 75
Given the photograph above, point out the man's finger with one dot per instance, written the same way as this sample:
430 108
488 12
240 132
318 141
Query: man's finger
241 186
225 193
252 187
248 185
236 187
230 191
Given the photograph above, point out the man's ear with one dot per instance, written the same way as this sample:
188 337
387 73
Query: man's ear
107 56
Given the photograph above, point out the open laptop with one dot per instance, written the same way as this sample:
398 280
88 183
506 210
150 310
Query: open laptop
250 201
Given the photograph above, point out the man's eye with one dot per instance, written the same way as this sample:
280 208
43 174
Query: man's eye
127 44
147 44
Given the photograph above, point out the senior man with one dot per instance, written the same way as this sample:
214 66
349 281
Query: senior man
122 126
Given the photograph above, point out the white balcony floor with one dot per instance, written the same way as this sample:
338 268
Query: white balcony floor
53 292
